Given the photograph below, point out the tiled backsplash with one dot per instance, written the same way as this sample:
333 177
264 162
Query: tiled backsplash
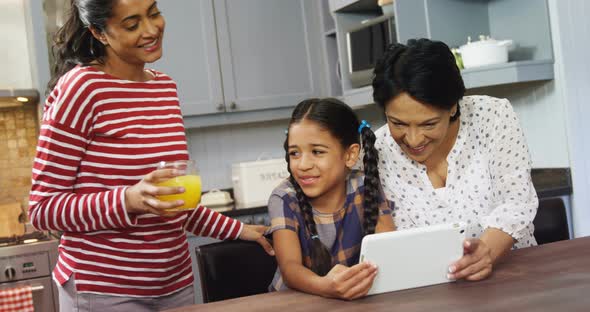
18 138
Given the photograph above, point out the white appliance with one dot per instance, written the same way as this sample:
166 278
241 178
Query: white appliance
367 42
254 181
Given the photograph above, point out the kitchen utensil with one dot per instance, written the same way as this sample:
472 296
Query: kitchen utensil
486 51
191 181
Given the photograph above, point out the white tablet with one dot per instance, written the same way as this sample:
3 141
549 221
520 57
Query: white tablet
413 258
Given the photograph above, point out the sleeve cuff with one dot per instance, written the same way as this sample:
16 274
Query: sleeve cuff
128 220
240 229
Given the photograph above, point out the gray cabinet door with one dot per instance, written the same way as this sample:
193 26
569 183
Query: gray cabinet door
190 55
267 51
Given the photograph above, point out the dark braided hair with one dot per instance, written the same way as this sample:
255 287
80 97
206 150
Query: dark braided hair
424 69
74 44
340 120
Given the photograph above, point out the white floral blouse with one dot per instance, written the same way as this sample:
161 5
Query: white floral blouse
488 180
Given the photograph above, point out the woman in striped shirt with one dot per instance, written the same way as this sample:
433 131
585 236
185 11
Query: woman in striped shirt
107 123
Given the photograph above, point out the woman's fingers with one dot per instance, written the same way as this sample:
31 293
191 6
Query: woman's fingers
149 204
266 245
162 175
474 251
480 275
483 264
255 233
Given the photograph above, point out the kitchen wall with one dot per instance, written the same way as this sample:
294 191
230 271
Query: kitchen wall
216 148
542 116
14 51
551 112
18 138
571 30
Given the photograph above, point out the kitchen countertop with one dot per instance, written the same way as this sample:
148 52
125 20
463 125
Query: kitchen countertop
549 182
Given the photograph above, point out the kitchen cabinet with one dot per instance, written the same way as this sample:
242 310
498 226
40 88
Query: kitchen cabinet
452 21
232 57
190 55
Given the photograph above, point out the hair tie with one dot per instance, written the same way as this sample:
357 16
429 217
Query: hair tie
315 237
363 124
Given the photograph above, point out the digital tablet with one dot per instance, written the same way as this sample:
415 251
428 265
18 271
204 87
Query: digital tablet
414 257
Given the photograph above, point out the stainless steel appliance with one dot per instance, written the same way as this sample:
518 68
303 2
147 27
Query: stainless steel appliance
29 260
366 43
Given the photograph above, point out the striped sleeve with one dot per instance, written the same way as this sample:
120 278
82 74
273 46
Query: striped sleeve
206 222
53 203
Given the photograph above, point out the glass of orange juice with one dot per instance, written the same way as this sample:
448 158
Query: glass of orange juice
190 180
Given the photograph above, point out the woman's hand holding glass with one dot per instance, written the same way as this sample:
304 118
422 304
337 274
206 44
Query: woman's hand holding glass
173 187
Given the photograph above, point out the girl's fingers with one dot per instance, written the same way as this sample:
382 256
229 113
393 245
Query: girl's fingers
358 278
352 271
362 288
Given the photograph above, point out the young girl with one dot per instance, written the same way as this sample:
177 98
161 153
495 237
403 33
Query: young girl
107 123
321 213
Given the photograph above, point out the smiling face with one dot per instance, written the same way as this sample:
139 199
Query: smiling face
317 160
134 32
419 129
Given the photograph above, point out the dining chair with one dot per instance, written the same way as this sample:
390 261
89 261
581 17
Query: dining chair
233 269
551 221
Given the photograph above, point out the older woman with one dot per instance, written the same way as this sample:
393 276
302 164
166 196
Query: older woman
446 157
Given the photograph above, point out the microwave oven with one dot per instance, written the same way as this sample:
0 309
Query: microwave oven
366 43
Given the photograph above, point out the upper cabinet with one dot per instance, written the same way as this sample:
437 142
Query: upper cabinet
233 58
190 55
525 22
266 57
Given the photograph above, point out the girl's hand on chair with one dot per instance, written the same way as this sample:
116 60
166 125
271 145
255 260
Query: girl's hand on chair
256 233
350 283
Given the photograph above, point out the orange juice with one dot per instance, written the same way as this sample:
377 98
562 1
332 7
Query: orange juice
192 191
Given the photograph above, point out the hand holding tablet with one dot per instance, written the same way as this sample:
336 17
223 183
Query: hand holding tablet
413 258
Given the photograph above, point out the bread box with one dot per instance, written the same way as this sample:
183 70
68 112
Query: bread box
254 181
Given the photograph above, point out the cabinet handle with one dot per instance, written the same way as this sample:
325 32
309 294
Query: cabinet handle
220 107
233 106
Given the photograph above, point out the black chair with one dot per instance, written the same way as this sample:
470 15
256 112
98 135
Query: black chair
233 269
551 221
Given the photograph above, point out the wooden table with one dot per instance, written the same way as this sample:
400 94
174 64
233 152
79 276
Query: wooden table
552 277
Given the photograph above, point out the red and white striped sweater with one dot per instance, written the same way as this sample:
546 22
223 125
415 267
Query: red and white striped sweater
101 134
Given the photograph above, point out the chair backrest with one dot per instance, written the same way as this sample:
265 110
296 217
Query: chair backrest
551 221
233 269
